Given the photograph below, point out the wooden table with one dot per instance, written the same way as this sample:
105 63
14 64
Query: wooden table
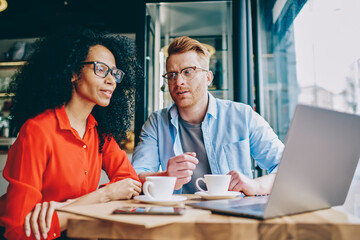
334 224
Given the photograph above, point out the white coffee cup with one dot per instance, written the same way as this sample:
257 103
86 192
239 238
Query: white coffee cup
159 187
216 184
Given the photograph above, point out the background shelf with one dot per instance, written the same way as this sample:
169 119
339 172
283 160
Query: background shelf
12 64
2 94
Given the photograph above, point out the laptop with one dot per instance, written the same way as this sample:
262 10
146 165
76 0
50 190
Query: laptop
321 154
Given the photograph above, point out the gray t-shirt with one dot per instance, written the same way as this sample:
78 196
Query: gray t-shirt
191 138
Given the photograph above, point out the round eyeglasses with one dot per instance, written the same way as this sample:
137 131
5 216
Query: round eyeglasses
102 70
187 73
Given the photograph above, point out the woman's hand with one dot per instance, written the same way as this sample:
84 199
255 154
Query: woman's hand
38 221
124 189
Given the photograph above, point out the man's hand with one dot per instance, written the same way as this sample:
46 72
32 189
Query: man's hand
240 183
182 167
41 215
124 189
258 186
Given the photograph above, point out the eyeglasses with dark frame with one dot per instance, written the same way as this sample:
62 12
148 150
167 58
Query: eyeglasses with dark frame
102 70
187 73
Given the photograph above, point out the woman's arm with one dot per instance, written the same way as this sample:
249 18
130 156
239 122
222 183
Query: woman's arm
39 220
124 184
124 189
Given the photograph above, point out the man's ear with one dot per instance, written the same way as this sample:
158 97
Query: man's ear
209 77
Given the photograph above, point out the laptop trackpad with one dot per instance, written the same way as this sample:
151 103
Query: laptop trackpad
249 205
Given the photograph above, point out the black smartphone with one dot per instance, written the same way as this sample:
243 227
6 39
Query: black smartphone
150 210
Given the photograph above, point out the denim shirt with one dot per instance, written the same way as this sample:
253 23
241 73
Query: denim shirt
232 133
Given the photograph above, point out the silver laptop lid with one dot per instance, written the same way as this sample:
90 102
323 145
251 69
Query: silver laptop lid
317 166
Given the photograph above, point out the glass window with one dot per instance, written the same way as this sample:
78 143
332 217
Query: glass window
309 53
209 23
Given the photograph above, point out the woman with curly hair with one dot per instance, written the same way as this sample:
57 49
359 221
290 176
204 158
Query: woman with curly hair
74 100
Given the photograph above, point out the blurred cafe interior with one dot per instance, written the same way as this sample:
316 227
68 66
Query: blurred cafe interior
270 54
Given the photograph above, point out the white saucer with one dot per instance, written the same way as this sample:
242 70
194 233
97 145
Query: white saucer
229 194
173 200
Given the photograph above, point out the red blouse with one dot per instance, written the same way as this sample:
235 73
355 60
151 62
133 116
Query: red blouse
50 162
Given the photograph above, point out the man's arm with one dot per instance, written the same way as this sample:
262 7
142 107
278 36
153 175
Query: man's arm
143 175
266 148
146 157
258 186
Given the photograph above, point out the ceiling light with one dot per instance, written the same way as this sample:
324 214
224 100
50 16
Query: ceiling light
3 5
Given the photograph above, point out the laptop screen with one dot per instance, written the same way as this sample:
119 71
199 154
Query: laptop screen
321 153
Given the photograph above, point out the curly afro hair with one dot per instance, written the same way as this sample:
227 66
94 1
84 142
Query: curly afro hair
45 81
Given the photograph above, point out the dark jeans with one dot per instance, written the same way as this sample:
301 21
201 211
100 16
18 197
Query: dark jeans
62 237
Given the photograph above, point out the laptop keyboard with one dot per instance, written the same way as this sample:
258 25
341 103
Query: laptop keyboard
246 201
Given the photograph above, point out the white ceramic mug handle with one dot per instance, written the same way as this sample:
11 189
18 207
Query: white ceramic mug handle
197 184
146 189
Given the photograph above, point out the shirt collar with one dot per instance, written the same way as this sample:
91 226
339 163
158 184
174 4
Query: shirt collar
212 108
64 122
173 111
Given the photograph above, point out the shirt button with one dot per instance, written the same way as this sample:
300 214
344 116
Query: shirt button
54 234
86 172
84 146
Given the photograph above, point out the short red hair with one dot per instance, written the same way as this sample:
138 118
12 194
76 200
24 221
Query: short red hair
185 44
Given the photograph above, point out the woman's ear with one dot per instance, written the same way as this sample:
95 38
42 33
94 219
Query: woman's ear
75 78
